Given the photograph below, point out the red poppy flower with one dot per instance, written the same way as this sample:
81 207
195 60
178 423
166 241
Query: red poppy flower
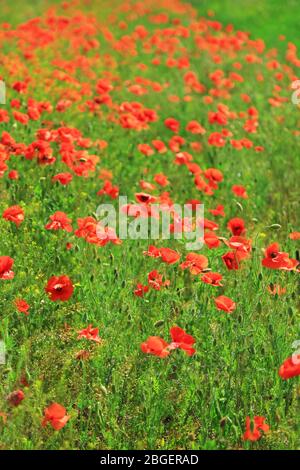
56 415
63 178
275 259
290 368
156 280
276 289
152 251
182 340
169 256
13 175
140 290
16 397
147 186
212 278
194 127
144 198
6 264
172 124
239 191
225 303
156 346
195 263
145 149
241 245
236 226
294 236
219 210
161 179
14 214
231 260
22 306
59 221
109 190
211 240
59 288
254 433
90 333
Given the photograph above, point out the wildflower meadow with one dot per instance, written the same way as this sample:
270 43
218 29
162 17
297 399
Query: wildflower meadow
149 249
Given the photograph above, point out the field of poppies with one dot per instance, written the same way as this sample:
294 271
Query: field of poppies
112 343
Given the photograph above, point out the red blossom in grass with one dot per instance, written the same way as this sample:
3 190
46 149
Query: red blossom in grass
294 236
144 198
239 191
169 256
109 190
16 397
212 278
90 333
231 260
275 259
218 211
161 179
6 264
195 263
14 214
59 221
181 340
152 251
13 175
156 346
241 245
253 433
56 415
236 226
63 178
225 303
159 347
290 368
211 240
172 124
22 306
59 288
276 289
140 290
155 280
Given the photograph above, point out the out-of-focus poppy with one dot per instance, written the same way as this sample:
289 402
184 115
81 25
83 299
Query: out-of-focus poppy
56 415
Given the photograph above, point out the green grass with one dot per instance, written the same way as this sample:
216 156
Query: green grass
121 398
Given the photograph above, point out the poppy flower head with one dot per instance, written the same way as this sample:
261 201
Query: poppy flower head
213 279
276 259
195 263
181 340
225 303
63 178
6 264
59 221
253 430
90 333
169 256
156 346
22 306
56 415
16 397
14 214
236 226
59 288
290 367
